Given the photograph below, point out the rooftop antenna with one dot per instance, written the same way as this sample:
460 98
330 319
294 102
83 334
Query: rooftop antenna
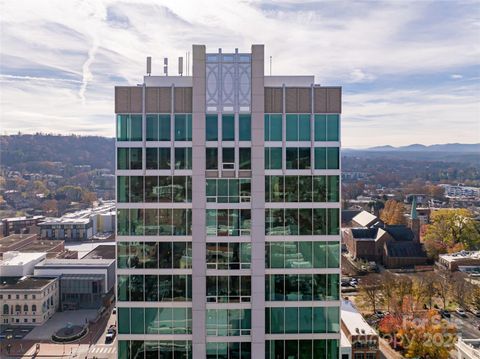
165 66
180 66
270 65
149 65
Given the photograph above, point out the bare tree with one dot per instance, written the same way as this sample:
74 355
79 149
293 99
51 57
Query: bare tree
387 289
462 289
444 285
370 290
429 288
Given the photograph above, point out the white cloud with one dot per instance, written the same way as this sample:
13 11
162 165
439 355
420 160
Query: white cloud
60 59
456 76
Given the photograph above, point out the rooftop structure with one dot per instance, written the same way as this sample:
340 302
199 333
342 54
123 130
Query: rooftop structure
17 225
362 337
468 348
102 251
464 258
85 282
80 225
15 283
19 264
366 219
14 242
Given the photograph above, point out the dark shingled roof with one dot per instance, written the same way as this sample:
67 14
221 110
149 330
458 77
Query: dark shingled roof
364 232
104 251
400 232
405 249
348 214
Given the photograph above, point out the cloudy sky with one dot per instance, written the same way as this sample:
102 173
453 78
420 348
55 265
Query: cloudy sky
410 70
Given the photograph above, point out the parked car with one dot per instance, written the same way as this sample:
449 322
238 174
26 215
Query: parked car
461 312
379 314
445 313
476 312
114 311
111 333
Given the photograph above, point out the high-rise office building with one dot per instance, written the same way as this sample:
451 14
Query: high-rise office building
228 191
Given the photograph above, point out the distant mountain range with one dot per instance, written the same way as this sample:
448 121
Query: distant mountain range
448 147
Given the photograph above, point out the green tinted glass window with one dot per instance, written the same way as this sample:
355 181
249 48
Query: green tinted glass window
122 127
276 127
152 128
333 254
304 127
164 158
211 127
333 221
228 128
228 155
136 127
183 127
333 127
333 188
135 158
292 127
266 127
123 228
164 127
123 185
276 158
291 158
245 158
123 158
304 161
320 158
319 221
273 158
333 160
183 158
151 157
305 188
124 320
319 189
211 158
273 127
245 127
291 324
320 127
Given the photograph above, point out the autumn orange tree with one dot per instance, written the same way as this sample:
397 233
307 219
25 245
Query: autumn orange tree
393 212
420 334
427 336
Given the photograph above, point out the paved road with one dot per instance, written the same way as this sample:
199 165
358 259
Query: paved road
468 327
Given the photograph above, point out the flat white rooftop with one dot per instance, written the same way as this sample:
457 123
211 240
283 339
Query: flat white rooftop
353 320
15 258
460 255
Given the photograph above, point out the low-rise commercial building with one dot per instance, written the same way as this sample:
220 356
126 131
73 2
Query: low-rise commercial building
81 225
84 282
69 229
17 225
28 300
15 242
468 348
362 337
19 264
453 261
